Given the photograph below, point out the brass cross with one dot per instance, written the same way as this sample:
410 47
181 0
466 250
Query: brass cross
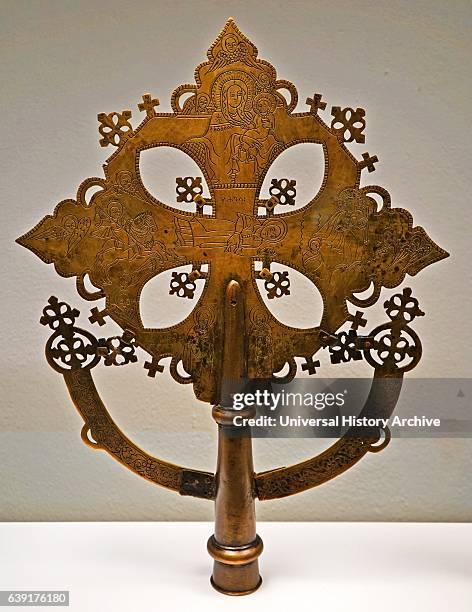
345 239
233 125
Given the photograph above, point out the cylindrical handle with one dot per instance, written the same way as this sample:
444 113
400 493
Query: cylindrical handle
235 546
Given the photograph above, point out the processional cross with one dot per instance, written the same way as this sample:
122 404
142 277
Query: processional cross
234 122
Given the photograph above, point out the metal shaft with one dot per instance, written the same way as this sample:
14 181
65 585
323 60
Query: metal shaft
235 546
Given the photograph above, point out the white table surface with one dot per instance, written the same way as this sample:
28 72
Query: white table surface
141 567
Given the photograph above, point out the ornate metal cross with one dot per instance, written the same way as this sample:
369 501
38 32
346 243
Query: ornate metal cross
233 123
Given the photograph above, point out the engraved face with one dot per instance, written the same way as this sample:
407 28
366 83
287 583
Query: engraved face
263 107
70 223
115 211
264 104
234 100
203 102
144 222
342 240
230 44
235 96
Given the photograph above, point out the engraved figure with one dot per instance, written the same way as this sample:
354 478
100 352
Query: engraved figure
232 50
261 349
253 233
343 236
198 350
125 238
255 144
72 230
240 135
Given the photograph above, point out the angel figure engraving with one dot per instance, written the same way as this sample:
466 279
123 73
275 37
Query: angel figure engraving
71 231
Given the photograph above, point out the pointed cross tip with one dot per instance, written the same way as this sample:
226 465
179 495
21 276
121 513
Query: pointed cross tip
442 254
24 240
229 27
231 21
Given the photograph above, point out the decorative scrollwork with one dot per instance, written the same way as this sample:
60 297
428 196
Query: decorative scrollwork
85 293
174 365
182 285
188 187
180 91
394 346
346 348
383 440
284 190
114 128
350 121
69 348
118 350
277 284
292 90
402 306
58 314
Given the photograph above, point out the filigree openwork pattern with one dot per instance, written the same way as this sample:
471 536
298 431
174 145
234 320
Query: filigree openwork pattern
234 121
345 349
69 348
349 123
182 285
284 190
277 285
188 187
118 350
114 128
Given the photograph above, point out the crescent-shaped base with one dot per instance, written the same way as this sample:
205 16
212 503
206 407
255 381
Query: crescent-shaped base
102 433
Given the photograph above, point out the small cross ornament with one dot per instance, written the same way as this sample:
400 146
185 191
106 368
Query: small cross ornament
148 104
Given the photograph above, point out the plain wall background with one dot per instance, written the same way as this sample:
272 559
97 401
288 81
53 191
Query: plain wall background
407 63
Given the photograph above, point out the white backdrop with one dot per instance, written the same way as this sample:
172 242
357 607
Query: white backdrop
406 63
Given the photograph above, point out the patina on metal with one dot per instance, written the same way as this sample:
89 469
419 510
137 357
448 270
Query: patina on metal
234 121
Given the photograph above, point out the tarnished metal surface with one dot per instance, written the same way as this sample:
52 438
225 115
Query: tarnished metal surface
233 123
392 349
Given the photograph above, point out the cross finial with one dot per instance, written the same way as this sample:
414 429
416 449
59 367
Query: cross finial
148 105
153 367
357 320
369 161
315 103
98 316
310 365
